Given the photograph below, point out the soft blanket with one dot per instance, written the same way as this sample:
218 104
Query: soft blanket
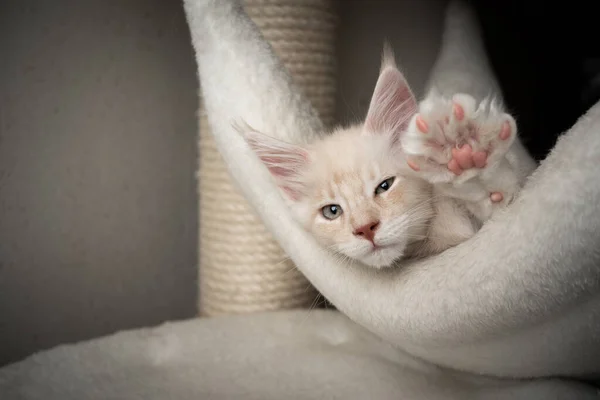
271 356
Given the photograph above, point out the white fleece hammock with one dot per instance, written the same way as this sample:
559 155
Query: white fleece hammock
532 309
274 356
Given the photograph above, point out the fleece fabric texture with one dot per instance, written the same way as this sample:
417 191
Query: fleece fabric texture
281 355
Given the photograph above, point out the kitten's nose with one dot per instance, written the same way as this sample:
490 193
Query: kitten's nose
367 231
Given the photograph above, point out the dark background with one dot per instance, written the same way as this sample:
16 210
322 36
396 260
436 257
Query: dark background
546 56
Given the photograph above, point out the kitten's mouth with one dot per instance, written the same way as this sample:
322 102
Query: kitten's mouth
377 247
381 255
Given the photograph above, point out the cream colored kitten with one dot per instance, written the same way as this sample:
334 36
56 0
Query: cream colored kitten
411 180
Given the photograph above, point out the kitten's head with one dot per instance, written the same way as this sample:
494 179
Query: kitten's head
351 189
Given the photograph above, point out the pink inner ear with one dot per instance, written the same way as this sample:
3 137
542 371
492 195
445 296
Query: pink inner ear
393 104
281 166
284 161
292 193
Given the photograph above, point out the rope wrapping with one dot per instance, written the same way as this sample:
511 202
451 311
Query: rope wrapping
242 268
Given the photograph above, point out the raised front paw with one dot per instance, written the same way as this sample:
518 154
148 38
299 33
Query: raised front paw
453 140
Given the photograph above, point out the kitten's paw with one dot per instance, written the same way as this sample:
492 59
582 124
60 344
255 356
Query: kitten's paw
453 140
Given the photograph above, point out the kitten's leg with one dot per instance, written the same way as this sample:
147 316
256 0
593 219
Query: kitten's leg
451 226
460 146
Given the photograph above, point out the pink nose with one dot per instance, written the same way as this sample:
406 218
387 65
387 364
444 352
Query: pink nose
367 231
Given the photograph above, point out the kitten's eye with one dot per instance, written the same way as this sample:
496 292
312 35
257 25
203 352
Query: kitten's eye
384 186
332 211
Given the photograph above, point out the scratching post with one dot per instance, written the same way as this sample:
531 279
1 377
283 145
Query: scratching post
242 268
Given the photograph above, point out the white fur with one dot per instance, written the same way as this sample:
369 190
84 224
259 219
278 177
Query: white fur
518 299
269 356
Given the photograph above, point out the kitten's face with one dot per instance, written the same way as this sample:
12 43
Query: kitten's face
357 203
352 189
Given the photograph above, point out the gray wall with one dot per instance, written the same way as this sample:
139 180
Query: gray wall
413 27
97 159
98 156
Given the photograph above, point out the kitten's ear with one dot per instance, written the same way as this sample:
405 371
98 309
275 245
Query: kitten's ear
393 102
286 162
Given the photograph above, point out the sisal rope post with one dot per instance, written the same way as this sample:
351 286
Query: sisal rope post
242 268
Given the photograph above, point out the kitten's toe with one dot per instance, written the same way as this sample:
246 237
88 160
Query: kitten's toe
505 131
421 125
496 197
413 164
497 134
463 156
454 167
464 106
424 141
480 159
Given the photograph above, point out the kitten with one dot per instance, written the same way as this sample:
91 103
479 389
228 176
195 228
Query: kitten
412 180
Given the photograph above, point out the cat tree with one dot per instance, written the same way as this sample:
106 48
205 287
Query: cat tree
242 268
541 305
495 282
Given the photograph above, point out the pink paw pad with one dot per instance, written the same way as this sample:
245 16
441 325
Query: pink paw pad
505 131
496 197
421 124
464 156
413 165
480 159
459 111
454 167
